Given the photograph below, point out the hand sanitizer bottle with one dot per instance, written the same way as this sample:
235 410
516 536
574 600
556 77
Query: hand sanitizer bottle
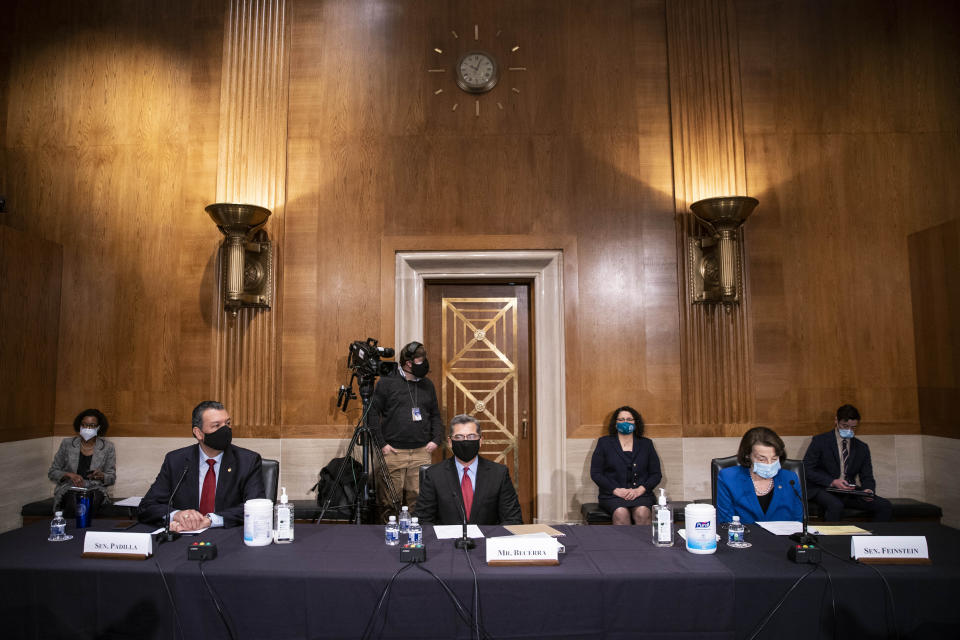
283 520
662 522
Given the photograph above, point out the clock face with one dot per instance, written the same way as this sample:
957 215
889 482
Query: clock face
477 72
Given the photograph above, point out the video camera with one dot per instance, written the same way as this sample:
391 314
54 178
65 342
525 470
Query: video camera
365 361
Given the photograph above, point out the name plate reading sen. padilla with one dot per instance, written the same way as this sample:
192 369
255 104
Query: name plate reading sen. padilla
522 550
890 549
117 544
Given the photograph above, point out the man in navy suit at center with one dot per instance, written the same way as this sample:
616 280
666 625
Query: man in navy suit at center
834 460
214 476
467 481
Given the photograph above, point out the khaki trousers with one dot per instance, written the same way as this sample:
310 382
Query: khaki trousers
404 470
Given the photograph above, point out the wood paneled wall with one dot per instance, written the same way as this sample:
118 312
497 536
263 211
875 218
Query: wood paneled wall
708 160
935 292
111 148
113 144
30 270
251 169
375 153
851 116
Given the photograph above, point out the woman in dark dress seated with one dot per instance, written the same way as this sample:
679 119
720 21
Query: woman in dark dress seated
757 489
85 460
626 468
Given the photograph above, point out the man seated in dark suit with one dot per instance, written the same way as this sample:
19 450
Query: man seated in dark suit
834 460
468 482
218 477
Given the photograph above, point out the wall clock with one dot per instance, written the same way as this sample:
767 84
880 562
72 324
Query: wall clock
476 67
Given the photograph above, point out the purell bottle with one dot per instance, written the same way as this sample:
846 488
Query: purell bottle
662 522
283 520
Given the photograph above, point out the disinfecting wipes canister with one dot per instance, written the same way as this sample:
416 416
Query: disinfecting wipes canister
701 526
257 522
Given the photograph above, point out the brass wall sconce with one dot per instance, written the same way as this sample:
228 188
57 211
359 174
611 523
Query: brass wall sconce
713 262
246 255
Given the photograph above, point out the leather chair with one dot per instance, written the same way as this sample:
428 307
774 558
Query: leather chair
270 471
790 465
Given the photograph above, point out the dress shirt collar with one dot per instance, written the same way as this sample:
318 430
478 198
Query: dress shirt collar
472 468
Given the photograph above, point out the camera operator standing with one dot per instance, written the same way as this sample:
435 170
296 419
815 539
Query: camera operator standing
405 419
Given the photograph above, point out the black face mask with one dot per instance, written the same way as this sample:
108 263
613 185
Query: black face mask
466 450
220 439
420 370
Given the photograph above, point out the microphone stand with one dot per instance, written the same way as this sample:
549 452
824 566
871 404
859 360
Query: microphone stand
167 535
464 541
804 537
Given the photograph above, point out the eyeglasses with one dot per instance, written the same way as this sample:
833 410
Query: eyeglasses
90 425
461 437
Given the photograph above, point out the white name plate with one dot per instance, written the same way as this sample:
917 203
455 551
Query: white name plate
522 550
117 544
890 549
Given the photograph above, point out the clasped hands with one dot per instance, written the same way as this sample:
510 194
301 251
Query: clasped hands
78 481
189 520
629 494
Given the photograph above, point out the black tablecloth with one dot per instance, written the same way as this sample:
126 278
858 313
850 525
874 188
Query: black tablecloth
611 583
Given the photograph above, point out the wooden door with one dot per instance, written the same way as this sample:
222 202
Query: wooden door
479 335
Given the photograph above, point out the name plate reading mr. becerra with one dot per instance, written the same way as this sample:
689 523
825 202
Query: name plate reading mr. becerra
522 550
117 544
890 549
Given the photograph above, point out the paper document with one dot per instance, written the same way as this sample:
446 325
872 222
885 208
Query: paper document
133 501
524 529
453 531
838 530
782 527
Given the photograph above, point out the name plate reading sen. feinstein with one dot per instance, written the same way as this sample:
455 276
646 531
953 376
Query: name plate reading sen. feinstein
117 544
522 550
890 549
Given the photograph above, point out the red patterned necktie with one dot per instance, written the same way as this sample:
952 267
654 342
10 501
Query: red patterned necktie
466 487
209 493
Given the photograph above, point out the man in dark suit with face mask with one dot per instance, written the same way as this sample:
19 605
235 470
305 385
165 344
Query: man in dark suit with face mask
217 477
467 484
835 460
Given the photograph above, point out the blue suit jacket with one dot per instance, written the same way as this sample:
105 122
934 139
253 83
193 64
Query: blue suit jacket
737 497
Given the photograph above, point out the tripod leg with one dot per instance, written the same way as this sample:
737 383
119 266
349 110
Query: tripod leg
384 476
336 483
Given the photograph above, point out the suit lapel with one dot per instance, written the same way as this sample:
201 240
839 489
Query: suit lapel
192 481
96 461
228 474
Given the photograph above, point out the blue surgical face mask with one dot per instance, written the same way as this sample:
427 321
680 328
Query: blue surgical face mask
626 428
766 470
845 433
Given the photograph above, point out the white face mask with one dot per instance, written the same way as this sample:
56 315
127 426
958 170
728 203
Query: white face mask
86 432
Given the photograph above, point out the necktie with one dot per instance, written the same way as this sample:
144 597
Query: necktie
466 487
844 456
209 492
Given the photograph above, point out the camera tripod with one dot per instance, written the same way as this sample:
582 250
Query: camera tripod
366 498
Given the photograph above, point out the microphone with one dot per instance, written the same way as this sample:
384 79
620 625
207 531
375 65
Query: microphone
170 536
465 541
804 537
805 551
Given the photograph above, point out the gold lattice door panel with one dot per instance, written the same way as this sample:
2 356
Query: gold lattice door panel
480 371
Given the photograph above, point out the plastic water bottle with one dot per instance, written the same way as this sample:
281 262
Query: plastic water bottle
405 520
283 520
58 528
392 532
736 535
662 522
415 533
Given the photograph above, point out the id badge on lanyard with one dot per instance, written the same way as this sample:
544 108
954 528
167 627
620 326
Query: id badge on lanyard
416 414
